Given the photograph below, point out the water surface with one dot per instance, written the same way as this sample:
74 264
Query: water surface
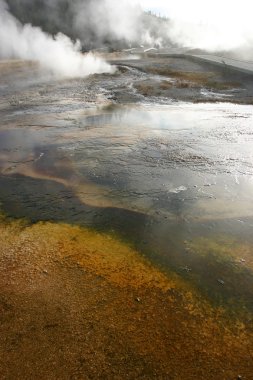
174 180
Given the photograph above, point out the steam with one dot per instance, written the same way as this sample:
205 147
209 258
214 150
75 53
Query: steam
116 20
217 25
96 23
57 54
108 18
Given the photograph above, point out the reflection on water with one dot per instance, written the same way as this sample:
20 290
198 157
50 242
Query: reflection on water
174 180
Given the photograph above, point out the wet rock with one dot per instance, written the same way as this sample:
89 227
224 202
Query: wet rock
186 269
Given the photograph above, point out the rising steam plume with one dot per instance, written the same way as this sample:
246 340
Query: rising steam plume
215 26
44 30
58 54
96 23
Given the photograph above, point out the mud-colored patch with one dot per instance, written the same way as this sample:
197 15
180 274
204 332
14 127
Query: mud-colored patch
224 249
182 80
7 66
76 304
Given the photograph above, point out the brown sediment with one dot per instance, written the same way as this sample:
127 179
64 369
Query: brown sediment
7 66
224 249
187 79
207 79
86 191
217 209
183 80
60 171
76 304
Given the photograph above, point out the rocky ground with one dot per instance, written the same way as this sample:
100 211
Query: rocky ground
183 79
152 80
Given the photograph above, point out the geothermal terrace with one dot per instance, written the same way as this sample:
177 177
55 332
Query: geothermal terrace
126 220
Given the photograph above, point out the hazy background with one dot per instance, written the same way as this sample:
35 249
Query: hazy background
54 32
96 23
217 25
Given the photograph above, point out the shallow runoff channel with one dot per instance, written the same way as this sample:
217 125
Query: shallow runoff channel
176 181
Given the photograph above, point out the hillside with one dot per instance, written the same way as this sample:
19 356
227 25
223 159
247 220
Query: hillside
95 26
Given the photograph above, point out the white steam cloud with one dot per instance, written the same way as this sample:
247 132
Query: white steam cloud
96 23
118 19
57 54
216 25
